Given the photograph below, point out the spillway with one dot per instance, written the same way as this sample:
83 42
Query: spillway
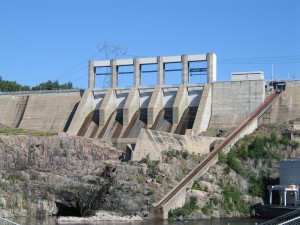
163 121
138 122
113 126
187 121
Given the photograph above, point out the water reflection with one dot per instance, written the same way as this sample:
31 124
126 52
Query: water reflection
53 221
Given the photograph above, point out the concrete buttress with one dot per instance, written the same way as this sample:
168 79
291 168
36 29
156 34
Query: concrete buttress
108 106
132 105
86 106
155 105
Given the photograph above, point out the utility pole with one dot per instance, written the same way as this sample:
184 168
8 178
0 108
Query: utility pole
111 52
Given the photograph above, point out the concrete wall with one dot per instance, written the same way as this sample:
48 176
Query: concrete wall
233 102
153 143
289 172
49 111
12 108
288 106
204 112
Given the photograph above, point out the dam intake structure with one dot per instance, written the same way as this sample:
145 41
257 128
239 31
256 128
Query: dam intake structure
120 113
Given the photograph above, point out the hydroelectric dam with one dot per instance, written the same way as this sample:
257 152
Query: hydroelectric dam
149 120
163 116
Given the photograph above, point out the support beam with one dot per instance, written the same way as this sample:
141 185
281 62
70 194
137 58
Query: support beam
137 72
160 71
211 67
185 70
92 72
113 74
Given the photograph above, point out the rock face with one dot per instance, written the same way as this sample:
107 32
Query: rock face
54 175
75 176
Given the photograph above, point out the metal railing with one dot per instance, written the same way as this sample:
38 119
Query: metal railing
288 218
40 91
7 222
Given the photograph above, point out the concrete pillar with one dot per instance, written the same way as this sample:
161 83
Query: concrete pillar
92 72
204 111
113 74
85 107
185 70
108 106
137 72
280 194
160 71
270 197
284 198
155 105
132 105
180 105
211 59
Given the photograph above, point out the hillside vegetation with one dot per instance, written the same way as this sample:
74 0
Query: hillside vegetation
239 180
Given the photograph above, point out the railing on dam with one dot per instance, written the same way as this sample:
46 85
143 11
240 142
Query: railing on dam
158 208
288 218
150 87
41 91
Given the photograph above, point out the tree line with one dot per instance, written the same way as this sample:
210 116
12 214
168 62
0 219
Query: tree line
11 86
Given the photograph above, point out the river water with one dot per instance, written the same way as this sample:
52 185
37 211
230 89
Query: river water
52 221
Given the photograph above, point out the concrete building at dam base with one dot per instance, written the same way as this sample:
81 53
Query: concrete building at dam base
148 120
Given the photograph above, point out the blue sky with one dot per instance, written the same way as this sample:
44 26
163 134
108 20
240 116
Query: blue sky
54 39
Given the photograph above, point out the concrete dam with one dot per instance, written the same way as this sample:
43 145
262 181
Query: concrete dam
149 120
159 113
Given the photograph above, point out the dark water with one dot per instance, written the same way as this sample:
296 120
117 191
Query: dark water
52 221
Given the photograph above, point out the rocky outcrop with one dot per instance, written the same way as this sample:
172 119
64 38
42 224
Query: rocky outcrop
76 176
52 176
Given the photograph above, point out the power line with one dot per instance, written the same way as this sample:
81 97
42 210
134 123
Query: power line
262 60
111 52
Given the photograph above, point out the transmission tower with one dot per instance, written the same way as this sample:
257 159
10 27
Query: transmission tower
111 52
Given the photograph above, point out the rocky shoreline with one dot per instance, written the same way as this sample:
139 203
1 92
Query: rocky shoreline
100 216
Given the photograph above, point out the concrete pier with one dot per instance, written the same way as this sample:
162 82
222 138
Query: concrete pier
160 62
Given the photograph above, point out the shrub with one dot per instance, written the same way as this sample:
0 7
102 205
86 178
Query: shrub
232 200
222 158
187 209
185 154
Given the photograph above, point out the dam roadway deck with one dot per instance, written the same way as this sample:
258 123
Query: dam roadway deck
176 197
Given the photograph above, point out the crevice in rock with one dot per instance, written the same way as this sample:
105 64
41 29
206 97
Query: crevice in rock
68 210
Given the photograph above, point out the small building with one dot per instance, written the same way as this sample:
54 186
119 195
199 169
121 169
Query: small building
289 183
239 76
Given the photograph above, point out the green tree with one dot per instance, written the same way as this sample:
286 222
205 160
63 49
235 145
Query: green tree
53 85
